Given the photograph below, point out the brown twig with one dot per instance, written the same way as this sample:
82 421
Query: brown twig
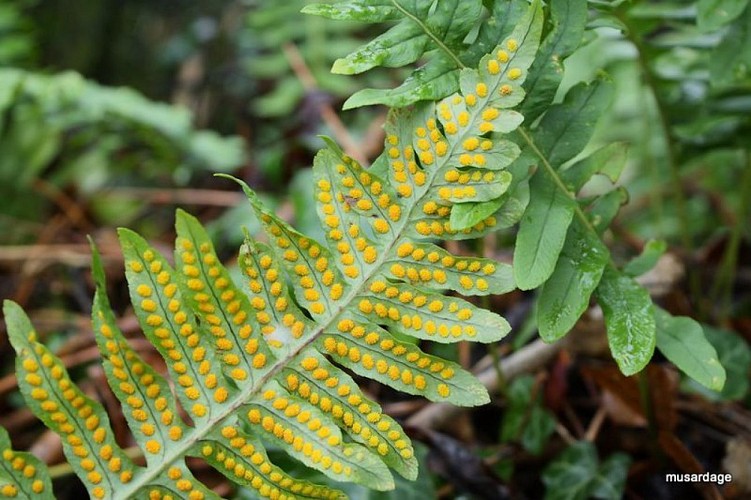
596 424
69 207
331 119
71 254
208 197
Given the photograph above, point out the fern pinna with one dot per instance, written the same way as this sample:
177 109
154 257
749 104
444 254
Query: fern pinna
257 364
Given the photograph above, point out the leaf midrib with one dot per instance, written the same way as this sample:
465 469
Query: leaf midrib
430 34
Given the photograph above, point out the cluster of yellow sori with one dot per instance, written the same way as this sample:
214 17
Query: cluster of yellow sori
317 384
404 305
461 185
70 413
429 264
222 306
248 465
441 227
177 336
269 296
19 464
183 483
404 174
319 284
289 422
185 487
406 363
142 394
354 190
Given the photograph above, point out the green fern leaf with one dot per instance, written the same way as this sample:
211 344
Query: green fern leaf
22 474
88 441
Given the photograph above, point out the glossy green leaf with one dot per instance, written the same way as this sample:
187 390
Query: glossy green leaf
653 250
606 207
735 356
682 341
565 296
439 77
542 232
629 319
371 11
465 215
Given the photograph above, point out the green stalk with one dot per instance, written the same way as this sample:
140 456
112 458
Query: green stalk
723 285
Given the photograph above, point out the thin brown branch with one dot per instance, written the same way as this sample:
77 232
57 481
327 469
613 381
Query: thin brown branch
71 254
207 197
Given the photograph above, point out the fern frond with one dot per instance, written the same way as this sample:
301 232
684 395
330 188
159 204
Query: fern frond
450 35
257 363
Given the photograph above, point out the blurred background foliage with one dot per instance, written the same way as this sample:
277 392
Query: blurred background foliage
113 113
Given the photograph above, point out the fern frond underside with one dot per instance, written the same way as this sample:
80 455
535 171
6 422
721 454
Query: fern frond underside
259 363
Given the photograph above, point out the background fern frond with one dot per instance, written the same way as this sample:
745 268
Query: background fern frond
448 35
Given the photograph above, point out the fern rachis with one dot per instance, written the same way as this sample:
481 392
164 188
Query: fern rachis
251 364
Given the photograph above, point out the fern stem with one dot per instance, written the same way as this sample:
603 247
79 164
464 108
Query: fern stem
723 286
560 185
430 34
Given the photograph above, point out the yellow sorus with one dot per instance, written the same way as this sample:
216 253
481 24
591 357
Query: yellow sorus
471 144
420 178
427 158
381 226
443 390
395 212
453 175
493 67
490 114
364 204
